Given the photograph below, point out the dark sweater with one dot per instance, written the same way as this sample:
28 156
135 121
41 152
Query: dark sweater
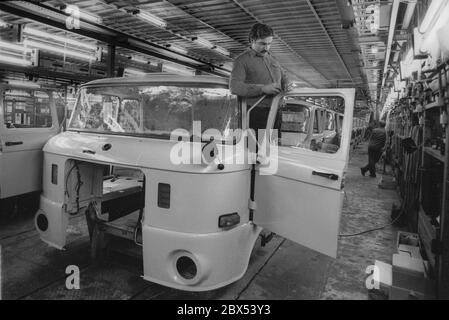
378 138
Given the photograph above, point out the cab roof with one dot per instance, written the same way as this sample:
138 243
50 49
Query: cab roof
163 77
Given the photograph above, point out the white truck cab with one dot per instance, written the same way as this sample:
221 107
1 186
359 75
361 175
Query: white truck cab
185 186
28 118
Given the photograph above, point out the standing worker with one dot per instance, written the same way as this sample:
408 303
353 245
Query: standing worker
375 149
257 73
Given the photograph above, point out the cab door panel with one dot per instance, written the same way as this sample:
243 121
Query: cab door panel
302 200
315 231
21 152
21 169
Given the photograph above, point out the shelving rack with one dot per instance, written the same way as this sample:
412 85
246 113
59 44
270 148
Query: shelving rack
429 216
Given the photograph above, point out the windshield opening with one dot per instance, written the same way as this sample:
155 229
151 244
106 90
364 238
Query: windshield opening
158 111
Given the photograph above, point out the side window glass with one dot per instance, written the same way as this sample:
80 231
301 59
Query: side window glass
316 121
26 109
295 122
312 123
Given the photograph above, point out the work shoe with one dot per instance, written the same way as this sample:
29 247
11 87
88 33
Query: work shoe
362 171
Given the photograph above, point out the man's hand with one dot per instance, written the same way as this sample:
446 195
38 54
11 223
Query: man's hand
272 88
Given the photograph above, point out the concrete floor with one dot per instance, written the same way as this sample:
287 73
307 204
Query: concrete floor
280 270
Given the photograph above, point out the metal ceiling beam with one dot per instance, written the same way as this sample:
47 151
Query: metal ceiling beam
371 40
393 18
329 38
189 13
283 42
57 18
43 72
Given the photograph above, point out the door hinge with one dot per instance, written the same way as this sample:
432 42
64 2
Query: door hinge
264 239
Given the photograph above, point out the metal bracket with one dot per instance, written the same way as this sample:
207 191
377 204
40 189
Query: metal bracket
252 204
266 238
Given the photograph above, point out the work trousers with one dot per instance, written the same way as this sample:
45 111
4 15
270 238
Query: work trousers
374 155
258 120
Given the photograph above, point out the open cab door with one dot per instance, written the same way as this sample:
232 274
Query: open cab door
299 187
28 118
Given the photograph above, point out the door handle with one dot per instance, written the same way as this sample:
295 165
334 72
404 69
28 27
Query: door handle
88 151
331 176
13 143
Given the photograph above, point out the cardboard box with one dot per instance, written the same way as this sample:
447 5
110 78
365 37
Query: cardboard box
407 264
410 287
407 238
411 251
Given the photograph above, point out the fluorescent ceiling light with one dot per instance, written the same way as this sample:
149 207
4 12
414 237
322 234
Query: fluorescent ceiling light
23 84
176 48
15 61
138 59
52 48
203 42
148 17
430 42
3 24
47 35
17 93
134 72
41 94
77 13
431 14
221 50
12 46
182 71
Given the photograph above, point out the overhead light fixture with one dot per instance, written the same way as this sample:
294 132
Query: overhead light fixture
148 17
4 24
221 50
46 35
17 54
431 40
23 84
138 59
17 93
12 46
64 51
77 13
15 61
203 42
174 69
134 72
431 15
176 48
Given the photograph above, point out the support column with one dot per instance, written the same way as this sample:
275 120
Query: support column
110 61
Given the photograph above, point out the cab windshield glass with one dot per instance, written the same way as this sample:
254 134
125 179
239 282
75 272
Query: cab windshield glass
157 111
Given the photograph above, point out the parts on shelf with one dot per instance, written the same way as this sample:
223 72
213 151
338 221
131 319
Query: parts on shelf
432 187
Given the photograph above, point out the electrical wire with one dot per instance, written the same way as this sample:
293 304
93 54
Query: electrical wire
67 179
371 230
137 227
78 185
